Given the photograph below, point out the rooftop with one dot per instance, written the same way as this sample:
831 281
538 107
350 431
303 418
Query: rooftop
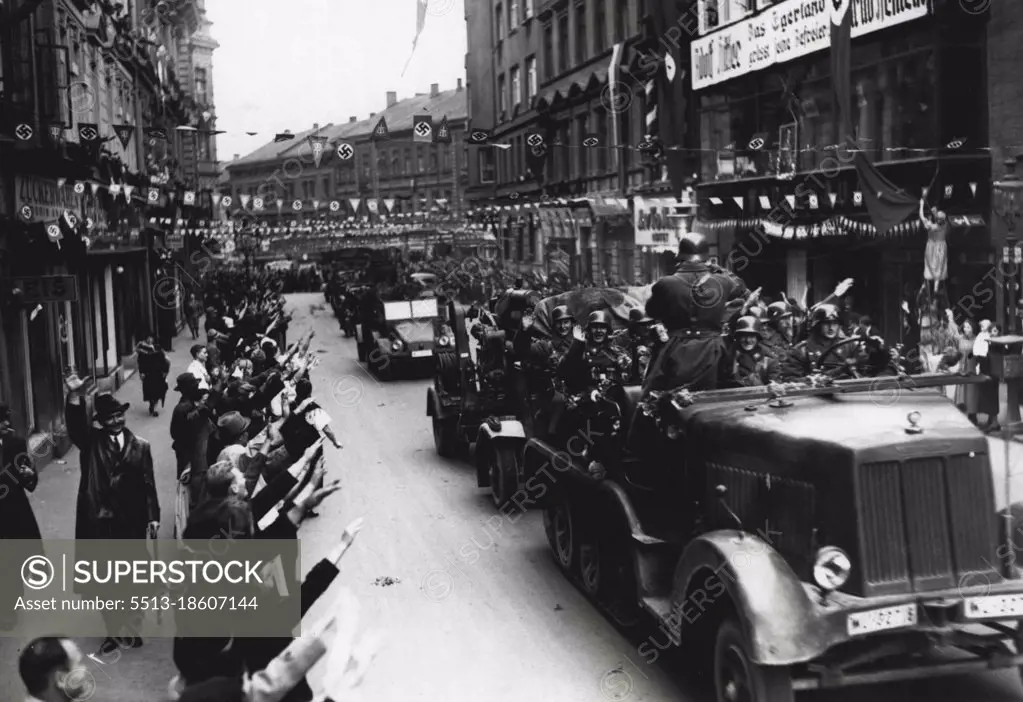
449 103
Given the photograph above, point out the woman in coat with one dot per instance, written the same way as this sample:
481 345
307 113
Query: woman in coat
153 369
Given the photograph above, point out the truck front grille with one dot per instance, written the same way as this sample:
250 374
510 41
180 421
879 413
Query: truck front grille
925 523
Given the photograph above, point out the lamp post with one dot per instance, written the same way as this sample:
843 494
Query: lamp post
1008 205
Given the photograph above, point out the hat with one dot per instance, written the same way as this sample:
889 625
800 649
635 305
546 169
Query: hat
107 405
232 425
187 381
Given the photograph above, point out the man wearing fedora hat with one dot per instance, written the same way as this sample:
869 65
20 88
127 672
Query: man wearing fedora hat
190 429
117 496
19 529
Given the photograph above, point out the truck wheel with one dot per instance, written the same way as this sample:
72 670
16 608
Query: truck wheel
592 559
504 474
361 350
558 524
738 679
385 370
445 436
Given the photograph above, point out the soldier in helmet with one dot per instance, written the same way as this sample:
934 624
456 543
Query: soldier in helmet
693 304
780 334
816 354
595 355
563 323
751 362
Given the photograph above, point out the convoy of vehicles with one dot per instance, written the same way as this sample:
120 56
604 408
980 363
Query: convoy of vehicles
403 336
789 537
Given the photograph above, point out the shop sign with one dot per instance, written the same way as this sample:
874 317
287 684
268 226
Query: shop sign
47 202
46 288
653 224
787 31
175 242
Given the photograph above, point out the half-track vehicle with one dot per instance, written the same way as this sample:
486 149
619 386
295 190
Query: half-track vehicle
808 535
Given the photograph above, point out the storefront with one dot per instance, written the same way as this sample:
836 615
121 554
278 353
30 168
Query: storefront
562 242
659 224
607 239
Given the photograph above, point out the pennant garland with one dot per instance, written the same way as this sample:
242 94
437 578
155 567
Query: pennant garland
124 133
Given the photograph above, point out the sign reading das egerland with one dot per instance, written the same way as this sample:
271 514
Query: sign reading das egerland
48 202
787 31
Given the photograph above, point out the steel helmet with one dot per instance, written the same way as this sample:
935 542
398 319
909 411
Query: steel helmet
778 310
747 325
692 246
561 312
600 318
822 314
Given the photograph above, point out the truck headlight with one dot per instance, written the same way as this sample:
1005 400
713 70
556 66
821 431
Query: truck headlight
444 341
831 568
396 345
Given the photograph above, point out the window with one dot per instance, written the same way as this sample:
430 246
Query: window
530 79
327 190
420 160
382 165
500 23
486 163
549 70
582 152
433 159
562 43
513 15
502 99
516 87
445 159
599 28
408 163
580 34
605 142
201 85
621 20
528 6
718 13
566 162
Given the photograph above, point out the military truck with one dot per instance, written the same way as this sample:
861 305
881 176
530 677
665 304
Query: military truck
813 535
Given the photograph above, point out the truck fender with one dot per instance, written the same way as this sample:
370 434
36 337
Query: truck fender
508 429
433 407
777 615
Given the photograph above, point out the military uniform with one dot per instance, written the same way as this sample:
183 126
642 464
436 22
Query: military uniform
583 359
693 304
753 368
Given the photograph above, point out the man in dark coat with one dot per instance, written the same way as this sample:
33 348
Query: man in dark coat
117 496
190 430
693 304
19 530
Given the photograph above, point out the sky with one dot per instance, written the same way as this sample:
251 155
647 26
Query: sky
288 65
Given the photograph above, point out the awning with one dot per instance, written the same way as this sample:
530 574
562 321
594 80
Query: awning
603 206
572 85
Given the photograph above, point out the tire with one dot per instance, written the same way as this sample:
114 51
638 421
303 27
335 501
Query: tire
559 525
504 475
361 351
448 372
385 371
592 559
445 436
738 678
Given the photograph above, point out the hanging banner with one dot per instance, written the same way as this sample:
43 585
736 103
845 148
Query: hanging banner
354 202
786 31
373 206
124 133
318 143
422 128
389 204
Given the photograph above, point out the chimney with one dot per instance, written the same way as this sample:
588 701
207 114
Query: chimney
434 89
352 120
372 114
459 86
316 125
237 156
392 98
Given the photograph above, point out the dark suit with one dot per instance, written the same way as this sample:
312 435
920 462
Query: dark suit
693 304
19 530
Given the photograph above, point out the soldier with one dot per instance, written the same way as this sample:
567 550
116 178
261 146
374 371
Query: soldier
813 355
752 363
591 364
562 340
693 304
780 336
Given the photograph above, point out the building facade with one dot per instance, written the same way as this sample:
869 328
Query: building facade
568 72
386 177
90 112
777 188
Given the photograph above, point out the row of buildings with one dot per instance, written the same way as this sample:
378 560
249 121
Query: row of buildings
739 96
107 128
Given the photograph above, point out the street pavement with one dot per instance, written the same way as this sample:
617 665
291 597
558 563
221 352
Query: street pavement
469 601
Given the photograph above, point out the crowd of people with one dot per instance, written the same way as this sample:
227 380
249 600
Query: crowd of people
248 440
